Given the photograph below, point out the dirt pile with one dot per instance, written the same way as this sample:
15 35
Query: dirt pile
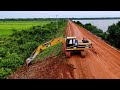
50 68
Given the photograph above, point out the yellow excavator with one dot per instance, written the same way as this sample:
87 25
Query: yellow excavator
69 44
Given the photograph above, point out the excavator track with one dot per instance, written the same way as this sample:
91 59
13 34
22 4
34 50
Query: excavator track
68 54
83 54
63 48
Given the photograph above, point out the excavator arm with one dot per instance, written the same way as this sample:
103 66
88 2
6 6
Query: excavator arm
42 47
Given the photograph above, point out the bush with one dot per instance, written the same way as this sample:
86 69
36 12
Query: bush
11 61
4 72
3 52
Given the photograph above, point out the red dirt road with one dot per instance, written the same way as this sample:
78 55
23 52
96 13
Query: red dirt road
101 62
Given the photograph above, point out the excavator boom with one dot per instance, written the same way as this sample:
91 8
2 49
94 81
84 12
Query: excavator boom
42 47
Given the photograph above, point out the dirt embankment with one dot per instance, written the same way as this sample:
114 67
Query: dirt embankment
51 68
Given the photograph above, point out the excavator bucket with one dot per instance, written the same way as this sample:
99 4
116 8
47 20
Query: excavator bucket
28 61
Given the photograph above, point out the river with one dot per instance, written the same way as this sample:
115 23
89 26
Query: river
101 24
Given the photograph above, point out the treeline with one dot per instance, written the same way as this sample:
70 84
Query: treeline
31 19
100 18
18 46
51 19
111 36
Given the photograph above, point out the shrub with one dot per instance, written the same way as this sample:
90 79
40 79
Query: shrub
3 52
4 72
11 61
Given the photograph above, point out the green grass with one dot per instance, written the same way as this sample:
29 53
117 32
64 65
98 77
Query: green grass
7 27
50 51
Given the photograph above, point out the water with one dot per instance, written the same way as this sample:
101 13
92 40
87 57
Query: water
101 24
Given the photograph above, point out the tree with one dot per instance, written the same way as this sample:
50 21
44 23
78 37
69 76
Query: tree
114 35
79 23
118 24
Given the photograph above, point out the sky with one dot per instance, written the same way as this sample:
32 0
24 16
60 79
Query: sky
58 14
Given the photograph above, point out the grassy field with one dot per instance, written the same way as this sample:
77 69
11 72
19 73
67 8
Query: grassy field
7 27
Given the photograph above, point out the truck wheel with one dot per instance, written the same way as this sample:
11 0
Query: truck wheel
68 54
83 54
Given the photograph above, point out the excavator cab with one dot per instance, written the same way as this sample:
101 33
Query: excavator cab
73 44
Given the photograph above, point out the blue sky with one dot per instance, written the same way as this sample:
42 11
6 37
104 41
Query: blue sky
60 14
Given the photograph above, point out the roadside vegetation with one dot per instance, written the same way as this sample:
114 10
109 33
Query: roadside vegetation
15 48
111 36
55 50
